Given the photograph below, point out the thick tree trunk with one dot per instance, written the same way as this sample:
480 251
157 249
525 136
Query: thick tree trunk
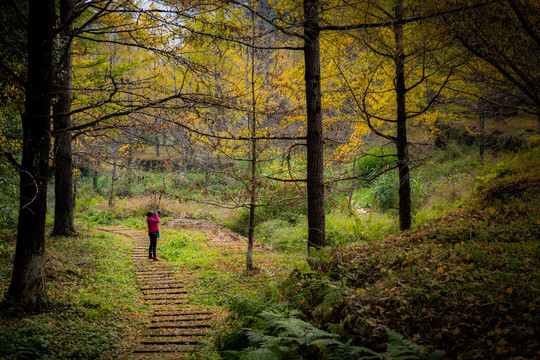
401 138
63 185
28 283
315 145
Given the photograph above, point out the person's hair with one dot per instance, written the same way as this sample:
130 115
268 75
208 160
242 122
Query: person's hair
148 214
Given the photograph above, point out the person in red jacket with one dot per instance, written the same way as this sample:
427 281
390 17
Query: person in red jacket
152 218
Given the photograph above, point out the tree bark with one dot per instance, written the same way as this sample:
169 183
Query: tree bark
315 145
28 283
95 178
253 158
401 138
63 185
113 182
482 138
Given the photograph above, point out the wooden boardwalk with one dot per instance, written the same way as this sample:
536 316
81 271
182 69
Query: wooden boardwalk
175 327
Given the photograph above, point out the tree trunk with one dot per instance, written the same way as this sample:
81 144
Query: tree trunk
253 158
28 283
113 181
401 138
482 138
315 145
63 187
75 181
95 178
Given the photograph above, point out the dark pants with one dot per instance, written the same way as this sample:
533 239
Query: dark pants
153 244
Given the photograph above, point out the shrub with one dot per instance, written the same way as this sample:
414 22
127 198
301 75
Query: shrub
374 226
340 229
283 236
173 248
100 217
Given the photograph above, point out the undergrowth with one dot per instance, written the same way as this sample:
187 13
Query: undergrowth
215 269
465 283
94 306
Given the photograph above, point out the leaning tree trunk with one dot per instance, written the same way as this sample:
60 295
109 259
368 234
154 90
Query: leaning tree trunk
401 138
28 283
315 145
63 185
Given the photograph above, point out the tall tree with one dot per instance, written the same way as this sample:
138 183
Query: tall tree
401 140
27 284
63 184
315 141
12 77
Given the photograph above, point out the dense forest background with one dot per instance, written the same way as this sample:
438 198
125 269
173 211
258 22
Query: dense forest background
378 158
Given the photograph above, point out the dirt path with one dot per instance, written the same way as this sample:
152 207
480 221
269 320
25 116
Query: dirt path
175 327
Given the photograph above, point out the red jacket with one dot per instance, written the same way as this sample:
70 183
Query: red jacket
153 223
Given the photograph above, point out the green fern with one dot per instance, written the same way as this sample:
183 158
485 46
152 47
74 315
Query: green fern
399 348
286 337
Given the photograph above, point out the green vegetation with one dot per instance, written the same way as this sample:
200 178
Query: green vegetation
94 306
214 267
464 281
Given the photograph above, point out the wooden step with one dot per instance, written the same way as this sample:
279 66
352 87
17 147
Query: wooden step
167 302
176 331
170 290
180 325
180 318
164 348
173 340
165 296
160 356
184 311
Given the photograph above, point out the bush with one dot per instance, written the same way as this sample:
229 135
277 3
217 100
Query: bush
383 192
374 226
174 247
100 217
340 229
283 236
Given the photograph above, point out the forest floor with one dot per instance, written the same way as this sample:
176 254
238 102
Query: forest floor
107 299
467 283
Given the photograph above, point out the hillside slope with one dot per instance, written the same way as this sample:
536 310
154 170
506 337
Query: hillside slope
468 283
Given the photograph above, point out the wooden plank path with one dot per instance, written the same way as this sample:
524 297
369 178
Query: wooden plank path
175 327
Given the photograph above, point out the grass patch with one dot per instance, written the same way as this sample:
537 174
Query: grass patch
215 268
283 236
95 307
